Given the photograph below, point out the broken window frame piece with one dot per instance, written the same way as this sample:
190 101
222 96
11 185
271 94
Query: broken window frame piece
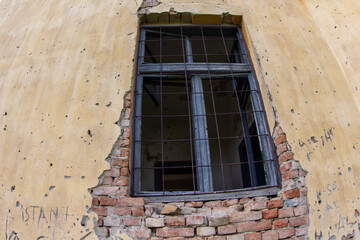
194 73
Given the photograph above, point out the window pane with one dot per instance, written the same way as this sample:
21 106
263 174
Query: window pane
176 128
151 128
171 50
175 104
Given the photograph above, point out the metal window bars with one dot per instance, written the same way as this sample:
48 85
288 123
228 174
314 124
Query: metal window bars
199 124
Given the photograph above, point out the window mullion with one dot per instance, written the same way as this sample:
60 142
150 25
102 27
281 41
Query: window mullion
201 142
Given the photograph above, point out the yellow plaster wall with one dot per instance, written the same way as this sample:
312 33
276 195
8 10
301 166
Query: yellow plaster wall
62 62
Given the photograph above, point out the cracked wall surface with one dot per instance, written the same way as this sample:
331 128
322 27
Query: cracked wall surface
65 67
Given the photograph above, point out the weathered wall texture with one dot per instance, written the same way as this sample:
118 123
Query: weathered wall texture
64 69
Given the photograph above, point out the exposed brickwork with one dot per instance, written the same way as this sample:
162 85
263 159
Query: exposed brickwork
265 218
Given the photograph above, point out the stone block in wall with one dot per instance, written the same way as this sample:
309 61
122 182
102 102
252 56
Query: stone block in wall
205 231
174 232
218 219
154 222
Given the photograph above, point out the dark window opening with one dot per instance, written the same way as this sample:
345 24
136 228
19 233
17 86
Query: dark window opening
199 121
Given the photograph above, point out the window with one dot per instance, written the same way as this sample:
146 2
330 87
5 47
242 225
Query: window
199 122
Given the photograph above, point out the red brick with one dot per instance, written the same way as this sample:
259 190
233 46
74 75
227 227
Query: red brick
197 238
113 172
285 167
219 209
107 180
254 226
176 238
302 173
281 223
132 221
139 232
235 237
126 133
253 236
130 202
301 231
128 96
106 201
175 221
123 142
256 205
120 162
174 232
286 212
124 191
194 204
102 232
127 103
299 221
227 229
281 149
244 200
285 157
280 139
105 190
124 152
290 174
303 191
230 202
217 238
275 203
270 236
195 220
293 193
237 217
268 214
122 211
95 202
101 211
298 238
285 233
278 131
100 222
124 172
137 212
213 204
302 210
121 181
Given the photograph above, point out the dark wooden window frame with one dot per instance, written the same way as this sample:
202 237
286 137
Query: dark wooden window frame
195 71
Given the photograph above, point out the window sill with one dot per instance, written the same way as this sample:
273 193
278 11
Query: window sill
271 191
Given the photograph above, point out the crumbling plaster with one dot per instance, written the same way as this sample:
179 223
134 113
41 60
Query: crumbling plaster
66 65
